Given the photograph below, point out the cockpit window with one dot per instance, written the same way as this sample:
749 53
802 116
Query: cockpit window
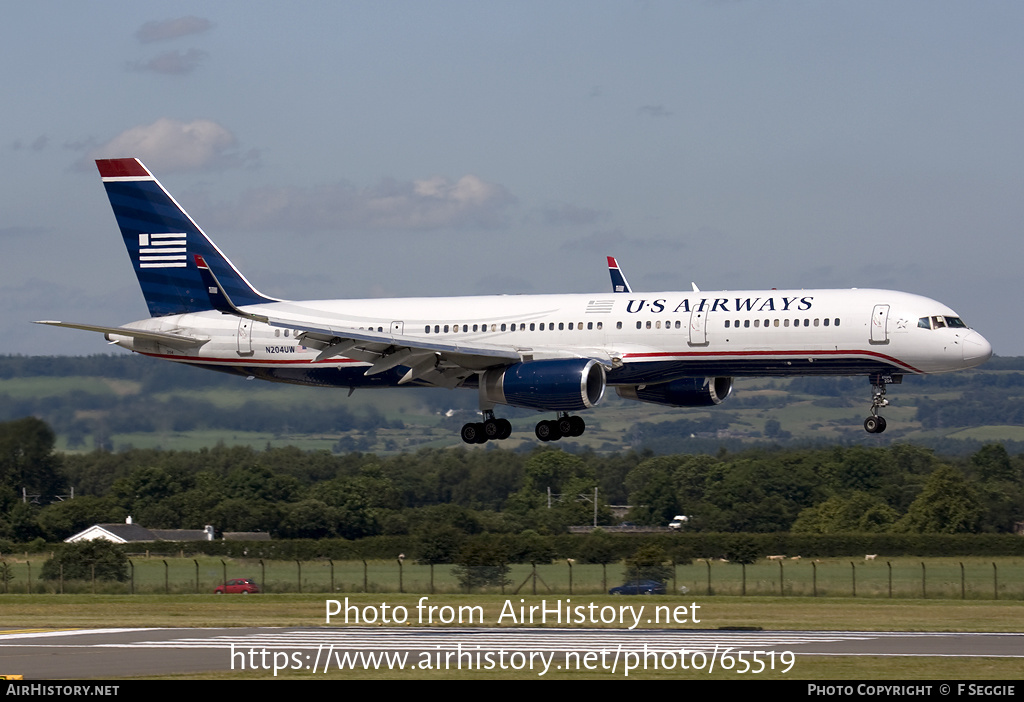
940 322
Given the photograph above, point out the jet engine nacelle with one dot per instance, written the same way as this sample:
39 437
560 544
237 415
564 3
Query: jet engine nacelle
563 385
684 392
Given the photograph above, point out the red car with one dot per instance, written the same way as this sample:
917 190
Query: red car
237 586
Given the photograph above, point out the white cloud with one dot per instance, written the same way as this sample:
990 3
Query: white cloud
162 30
430 203
654 111
170 145
171 62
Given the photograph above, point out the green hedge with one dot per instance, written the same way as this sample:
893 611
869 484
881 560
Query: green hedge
683 547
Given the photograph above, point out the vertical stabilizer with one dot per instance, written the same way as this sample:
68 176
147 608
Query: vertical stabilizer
619 283
162 242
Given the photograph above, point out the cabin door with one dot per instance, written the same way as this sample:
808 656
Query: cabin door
698 326
880 324
244 336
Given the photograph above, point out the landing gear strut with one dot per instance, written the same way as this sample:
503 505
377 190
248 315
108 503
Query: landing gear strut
565 425
875 424
487 430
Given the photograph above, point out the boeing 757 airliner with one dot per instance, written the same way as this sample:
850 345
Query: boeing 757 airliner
551 353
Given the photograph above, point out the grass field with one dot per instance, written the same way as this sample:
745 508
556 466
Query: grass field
777 613
804 416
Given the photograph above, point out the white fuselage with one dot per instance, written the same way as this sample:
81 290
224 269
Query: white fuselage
650 337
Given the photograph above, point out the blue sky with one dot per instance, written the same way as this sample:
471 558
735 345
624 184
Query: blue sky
365 149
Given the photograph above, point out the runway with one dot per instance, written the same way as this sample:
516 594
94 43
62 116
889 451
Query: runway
114 653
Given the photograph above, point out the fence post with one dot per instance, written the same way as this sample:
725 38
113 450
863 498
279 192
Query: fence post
995 579
889 563
924 591
853 575
331 561
708 562
963 589
167 579
196 561
569 561
782 583
814 570
744 566
131 582
298 565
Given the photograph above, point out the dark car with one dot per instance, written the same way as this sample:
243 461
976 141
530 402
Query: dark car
241 586
639 587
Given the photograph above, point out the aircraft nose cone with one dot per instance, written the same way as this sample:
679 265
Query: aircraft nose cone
976 348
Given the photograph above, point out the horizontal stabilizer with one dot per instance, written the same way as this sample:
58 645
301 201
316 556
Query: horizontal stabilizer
174 340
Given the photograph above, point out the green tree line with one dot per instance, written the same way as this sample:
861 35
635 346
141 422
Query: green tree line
289 493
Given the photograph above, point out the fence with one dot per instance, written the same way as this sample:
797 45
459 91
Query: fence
929 578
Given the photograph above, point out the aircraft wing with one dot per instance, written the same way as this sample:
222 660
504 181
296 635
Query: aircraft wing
172 340
443 363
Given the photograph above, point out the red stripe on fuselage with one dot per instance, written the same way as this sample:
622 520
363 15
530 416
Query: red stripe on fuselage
734 354
243 361
653 356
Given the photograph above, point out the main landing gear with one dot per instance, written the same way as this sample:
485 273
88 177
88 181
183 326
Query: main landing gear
555 429
487 430
492 429
875 424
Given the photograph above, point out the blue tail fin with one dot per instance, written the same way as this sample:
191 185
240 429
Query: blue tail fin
619 283
162 241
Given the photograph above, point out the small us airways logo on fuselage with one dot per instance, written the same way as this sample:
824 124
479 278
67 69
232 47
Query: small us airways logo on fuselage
600 306
162 250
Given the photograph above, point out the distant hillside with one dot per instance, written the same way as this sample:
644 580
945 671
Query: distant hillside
120 401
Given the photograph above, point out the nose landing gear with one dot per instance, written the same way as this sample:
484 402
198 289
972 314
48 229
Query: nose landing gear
875 424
